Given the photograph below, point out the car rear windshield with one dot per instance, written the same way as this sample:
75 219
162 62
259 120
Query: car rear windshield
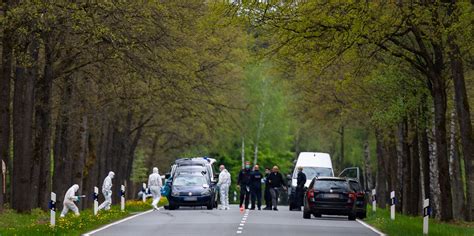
190 180
312 172
326 185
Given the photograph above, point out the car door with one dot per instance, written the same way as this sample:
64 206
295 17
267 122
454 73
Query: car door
354 173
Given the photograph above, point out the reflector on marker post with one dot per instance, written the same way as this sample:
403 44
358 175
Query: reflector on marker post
426 215
374 200
144 192
122 197
96 200
52 207
235 196
392 205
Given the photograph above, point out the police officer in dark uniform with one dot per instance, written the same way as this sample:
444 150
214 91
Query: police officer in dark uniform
256 187
267 196
243 183
300 182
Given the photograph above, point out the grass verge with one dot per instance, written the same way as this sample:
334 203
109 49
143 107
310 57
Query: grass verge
37 223
413 225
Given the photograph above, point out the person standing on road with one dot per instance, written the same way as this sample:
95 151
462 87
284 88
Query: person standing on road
268 196
276 183
107 191
155 184
69 199
243 184
224 184
299 193
256 187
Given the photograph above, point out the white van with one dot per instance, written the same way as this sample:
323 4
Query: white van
314 164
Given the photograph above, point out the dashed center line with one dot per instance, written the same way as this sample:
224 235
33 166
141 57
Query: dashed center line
242 222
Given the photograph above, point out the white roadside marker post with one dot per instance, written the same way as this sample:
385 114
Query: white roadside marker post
144 192
374 200
52 207
392 205
96 200
122 194
426 215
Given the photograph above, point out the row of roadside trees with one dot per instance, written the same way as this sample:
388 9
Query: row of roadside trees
399 71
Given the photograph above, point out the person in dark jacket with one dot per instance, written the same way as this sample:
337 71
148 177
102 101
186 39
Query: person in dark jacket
256 187
276 182
267 196
299 193
243 184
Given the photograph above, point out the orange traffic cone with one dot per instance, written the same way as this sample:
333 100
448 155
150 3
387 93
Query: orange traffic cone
241 209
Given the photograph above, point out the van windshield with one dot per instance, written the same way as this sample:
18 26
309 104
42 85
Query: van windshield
312 172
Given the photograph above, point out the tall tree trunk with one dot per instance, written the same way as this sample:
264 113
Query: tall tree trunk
392 163
415 182
440 106
434 176
368 171
455 171
242 152
425 161
464 119
42 147
341 156
23 106
404 157
62 167
381 185
5 113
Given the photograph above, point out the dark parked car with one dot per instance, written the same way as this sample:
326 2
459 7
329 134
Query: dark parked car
191 189
361 199
329 196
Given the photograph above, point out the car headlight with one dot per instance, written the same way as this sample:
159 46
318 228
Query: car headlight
206 192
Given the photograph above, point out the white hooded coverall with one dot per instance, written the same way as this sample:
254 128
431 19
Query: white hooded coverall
69 199
224 184
107 191
155 184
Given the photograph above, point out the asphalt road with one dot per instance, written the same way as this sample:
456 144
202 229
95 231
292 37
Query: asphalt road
189 221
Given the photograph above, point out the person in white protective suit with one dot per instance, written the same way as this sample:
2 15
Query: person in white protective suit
107 191
155 184
69 199
224 184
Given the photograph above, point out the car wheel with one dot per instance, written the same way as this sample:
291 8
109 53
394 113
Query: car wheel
306 215
172 206
210 206
351 216
363 215
318 215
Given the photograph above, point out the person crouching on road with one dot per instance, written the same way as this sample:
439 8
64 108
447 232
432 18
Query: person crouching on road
155 184
299 193
107 191
224 184
256 187
268 196
69 199
243 184
275 179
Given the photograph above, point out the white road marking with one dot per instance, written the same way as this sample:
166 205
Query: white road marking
239 232
243 221
242 224
370 227
241 228
116 223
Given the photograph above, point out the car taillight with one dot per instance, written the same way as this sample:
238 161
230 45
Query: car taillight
352 197
311 195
